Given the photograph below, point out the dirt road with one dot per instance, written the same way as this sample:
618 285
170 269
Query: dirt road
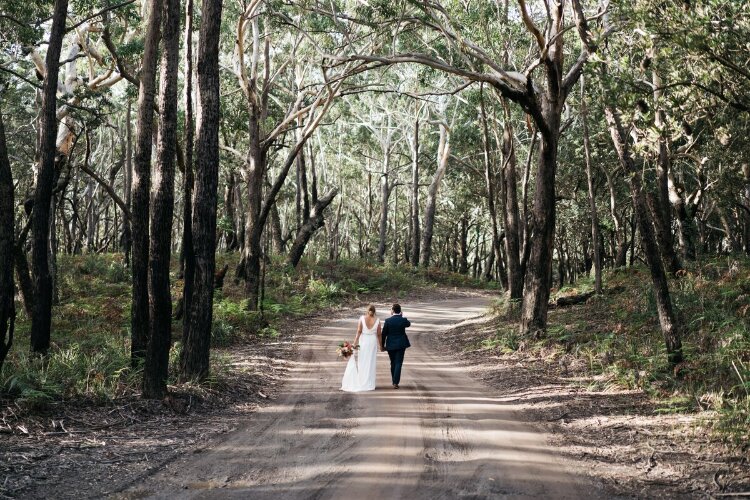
442 435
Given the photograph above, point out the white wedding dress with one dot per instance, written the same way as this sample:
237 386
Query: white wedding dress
360 369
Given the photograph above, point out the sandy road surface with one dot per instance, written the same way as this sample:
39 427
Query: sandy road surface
442 435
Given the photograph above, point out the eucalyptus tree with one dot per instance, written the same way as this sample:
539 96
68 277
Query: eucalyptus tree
195 361
281 94
509 200
162 201
41 320
379 120
593 211
443 156
697 85
631 145
139 309
667 317
187 251
414 228
462 50
312 223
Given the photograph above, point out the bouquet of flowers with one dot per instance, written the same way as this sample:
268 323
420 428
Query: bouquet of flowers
346 349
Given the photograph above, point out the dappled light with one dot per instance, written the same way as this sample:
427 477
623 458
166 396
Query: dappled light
212 211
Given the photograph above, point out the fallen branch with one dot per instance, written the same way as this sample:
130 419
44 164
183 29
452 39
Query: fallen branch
570 300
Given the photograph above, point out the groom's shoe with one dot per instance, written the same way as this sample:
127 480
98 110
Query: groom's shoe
395 386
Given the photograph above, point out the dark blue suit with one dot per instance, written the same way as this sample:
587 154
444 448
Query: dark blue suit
395 342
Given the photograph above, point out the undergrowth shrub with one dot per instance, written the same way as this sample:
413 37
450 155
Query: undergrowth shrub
69 372
505 339
618 342
90 357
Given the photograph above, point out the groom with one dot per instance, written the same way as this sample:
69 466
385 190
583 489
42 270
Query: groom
395 341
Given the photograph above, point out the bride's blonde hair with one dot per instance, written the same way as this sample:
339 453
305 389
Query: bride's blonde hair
371 310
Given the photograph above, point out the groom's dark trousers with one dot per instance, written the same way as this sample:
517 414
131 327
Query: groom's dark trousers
396 342
397 359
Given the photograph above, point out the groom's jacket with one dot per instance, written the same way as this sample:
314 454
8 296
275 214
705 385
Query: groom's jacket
394 333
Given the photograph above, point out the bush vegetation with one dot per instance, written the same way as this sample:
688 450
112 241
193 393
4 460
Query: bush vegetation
614 339
90 355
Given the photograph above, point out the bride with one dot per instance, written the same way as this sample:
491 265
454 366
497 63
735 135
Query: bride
360 370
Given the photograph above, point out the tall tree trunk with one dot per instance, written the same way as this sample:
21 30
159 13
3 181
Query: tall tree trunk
385 194
314 222
746 174
7 248
526 226
444 151
139 311
313 176
490 179
23 274
415 232
396 243
538 271
162 197
253 228
188 248
595 236
670 327
195 355
41 319
510 211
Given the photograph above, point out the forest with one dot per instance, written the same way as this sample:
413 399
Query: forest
175 172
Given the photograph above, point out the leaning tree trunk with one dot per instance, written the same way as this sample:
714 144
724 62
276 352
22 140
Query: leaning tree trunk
41 319
139 311
444 150
670 327
314 222
162 198
277 234
7 246
195 353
